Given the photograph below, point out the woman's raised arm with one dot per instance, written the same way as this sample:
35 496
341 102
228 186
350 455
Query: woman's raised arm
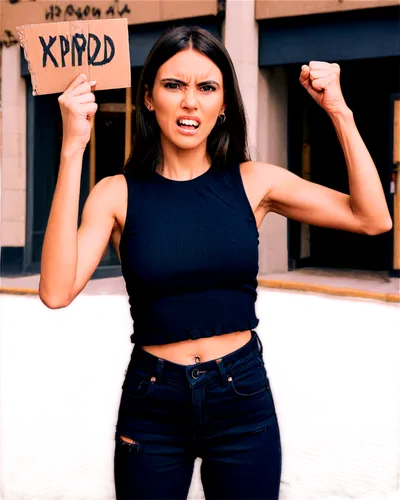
69 255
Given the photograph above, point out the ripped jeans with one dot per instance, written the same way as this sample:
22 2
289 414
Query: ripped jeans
220 410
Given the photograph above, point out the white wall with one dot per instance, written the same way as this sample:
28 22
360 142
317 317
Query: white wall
240 37
13 139
272 148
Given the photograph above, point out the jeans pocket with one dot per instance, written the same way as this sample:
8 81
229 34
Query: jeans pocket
262 364
248 381
138 384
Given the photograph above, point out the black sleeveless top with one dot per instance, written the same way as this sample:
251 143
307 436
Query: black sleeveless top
189 256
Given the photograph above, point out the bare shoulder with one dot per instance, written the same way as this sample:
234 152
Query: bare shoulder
108 185
105 200
262 175
107 192
117 183
114 186
261 170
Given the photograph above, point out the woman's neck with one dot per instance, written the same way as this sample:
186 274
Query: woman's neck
183 165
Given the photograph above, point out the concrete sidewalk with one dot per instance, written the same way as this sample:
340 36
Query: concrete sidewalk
375 285
332 363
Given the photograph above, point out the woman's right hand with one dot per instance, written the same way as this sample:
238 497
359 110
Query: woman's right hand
77 106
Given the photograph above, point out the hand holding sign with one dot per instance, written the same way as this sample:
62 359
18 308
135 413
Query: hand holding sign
77 106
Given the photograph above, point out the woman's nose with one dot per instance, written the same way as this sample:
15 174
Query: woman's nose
190 99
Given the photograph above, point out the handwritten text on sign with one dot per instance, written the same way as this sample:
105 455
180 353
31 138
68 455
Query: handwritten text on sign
79 44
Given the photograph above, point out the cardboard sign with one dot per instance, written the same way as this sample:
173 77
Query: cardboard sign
57 52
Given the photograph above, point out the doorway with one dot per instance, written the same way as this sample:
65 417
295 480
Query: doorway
315 153
104 156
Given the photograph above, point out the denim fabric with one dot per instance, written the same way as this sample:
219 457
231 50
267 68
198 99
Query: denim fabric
220 410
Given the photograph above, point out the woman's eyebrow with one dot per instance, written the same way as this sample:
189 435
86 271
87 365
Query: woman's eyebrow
206 82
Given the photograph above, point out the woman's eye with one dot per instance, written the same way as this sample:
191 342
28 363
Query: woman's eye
169 85
174 86
210 87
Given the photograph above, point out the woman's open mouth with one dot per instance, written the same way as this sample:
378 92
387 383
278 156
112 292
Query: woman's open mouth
187 127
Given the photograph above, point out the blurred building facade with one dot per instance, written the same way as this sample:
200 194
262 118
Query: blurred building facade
268 41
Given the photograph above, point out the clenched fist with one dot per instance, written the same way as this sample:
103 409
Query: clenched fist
322 82
77 106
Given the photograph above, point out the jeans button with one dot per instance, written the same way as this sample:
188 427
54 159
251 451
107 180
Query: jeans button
195 373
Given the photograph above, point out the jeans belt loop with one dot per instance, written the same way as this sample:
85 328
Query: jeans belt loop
259 343
222 371
159 370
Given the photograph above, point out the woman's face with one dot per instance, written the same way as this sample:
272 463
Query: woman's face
189 84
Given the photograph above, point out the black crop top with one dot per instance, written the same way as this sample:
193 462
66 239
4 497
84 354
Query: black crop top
189 256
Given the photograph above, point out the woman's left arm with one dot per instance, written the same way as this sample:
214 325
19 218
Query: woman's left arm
365 209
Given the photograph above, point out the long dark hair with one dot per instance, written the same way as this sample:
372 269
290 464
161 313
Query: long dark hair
227 142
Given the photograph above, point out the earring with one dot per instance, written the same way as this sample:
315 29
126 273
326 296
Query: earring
222 119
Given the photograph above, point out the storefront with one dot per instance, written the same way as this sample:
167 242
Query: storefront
366 45
114 122
268 42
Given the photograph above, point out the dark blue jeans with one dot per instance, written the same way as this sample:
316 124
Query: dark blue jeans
220 410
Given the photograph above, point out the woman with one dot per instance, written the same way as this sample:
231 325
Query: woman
184 217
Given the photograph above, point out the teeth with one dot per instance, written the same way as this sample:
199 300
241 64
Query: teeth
188 122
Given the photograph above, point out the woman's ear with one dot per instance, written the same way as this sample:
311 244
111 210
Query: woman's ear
147 99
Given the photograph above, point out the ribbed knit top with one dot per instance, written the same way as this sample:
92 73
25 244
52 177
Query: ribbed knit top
189 256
